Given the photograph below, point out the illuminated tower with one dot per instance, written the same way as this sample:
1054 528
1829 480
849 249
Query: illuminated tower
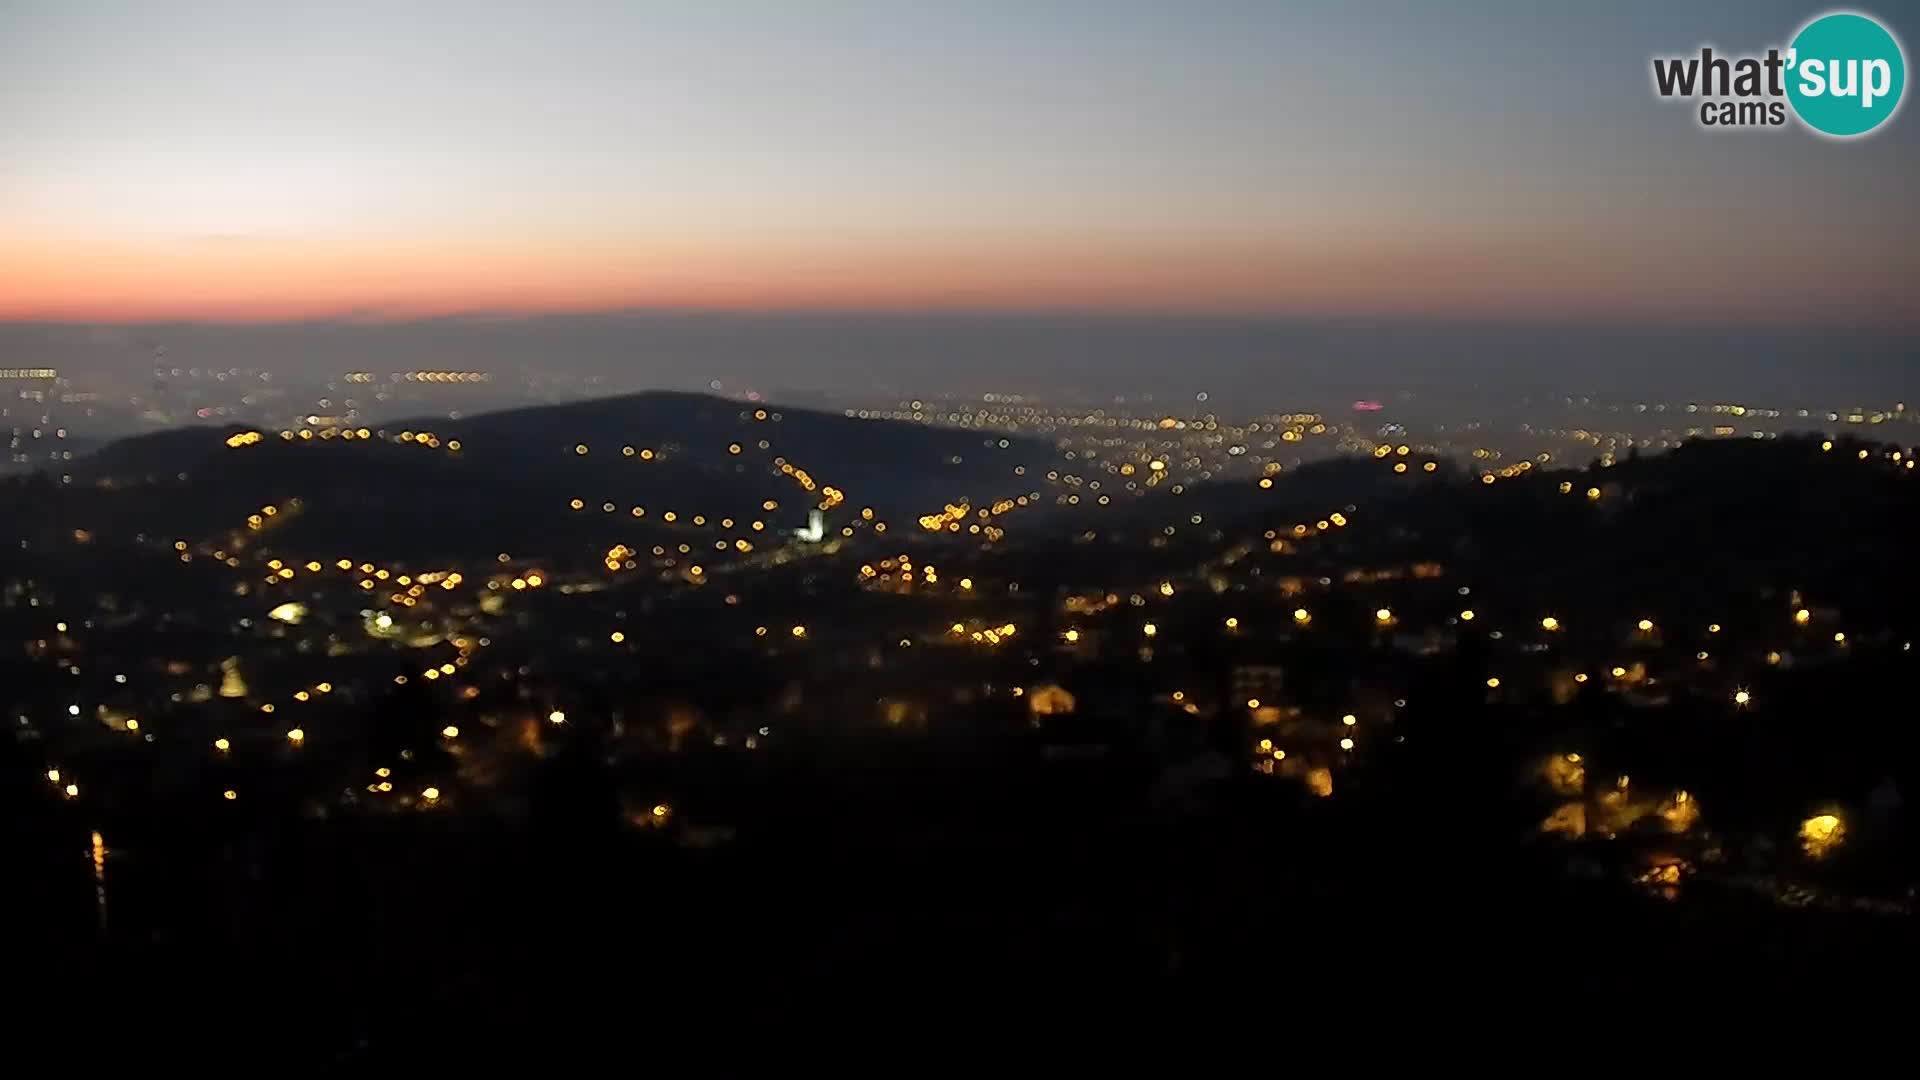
815 530
231 684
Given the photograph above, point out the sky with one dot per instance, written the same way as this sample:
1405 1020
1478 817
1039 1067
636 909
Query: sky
1500 161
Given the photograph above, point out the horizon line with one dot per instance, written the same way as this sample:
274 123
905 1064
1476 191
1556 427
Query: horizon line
1669 321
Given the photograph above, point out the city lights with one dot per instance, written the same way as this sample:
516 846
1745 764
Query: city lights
971 412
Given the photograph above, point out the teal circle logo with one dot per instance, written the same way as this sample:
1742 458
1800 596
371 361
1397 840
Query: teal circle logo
1845 74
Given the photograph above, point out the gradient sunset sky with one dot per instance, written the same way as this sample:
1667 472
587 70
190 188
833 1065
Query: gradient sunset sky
1485 160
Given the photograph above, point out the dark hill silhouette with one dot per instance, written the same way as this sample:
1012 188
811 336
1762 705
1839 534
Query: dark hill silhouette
510 484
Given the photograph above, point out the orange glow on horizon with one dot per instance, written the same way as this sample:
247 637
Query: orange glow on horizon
146 277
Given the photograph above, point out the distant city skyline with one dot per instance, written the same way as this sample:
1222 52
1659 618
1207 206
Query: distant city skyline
1244 365
1490 162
